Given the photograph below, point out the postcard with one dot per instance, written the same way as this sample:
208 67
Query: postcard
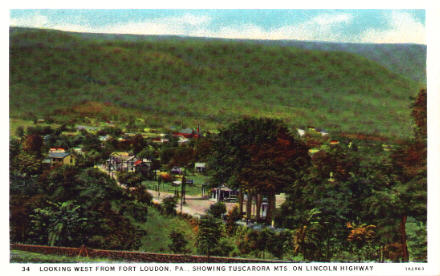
266 140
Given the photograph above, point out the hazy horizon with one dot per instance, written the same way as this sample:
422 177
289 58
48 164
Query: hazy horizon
343 26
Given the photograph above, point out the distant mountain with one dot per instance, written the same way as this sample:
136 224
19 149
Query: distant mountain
408 60
173 80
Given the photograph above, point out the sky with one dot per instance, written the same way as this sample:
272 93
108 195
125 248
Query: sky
360 26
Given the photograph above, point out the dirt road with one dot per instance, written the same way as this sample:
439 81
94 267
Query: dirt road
194 205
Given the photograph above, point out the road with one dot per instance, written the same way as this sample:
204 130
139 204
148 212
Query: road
194 205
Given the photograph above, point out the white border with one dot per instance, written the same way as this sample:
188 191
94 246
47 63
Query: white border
433 41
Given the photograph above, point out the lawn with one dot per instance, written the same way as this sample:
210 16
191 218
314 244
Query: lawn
158 228
194 189
14 123
18 256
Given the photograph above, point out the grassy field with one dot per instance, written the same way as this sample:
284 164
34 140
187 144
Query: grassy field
159 227
14 123
183 82
18 256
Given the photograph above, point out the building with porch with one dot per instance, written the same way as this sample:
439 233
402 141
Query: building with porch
223 193
122 162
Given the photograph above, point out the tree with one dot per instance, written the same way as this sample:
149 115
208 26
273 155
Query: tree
280 243
177 156
410 163
203 148
333 191
91 142
110 212
32 144
147 152
404 192
21 206
169 205
61 223
138 143
14 150
209 235
217 209
178 242
232 217
19 132
27 164
130 179
257 156
274 165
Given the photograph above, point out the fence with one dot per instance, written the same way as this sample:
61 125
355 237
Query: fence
132 256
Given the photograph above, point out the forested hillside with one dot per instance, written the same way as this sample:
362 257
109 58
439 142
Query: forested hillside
173 81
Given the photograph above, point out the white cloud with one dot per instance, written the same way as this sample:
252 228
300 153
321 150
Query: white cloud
184 25
324 27
40 21
316 28
167 25
37 21
404 28
331 19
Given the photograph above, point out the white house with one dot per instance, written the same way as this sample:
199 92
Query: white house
200 167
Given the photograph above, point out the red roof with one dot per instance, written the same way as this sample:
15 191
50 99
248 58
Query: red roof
137 162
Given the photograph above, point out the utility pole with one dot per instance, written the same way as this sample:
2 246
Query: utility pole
158 187
182 192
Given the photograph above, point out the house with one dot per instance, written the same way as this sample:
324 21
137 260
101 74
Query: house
200 167
78 151
323 132
160 140
121 161
187 133
223 193
334 142
104 138
58 156
176 170
143 165
182 141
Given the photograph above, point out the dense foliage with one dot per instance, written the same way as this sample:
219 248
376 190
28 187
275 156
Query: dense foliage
213 82
259 157
69 205
357 198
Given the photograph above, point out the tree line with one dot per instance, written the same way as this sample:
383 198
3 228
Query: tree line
349 198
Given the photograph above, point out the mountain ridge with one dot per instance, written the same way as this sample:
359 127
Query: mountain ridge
167 81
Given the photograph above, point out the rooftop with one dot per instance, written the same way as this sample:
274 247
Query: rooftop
58 154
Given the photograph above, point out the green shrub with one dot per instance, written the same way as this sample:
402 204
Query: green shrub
169 205
217 209
178 243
